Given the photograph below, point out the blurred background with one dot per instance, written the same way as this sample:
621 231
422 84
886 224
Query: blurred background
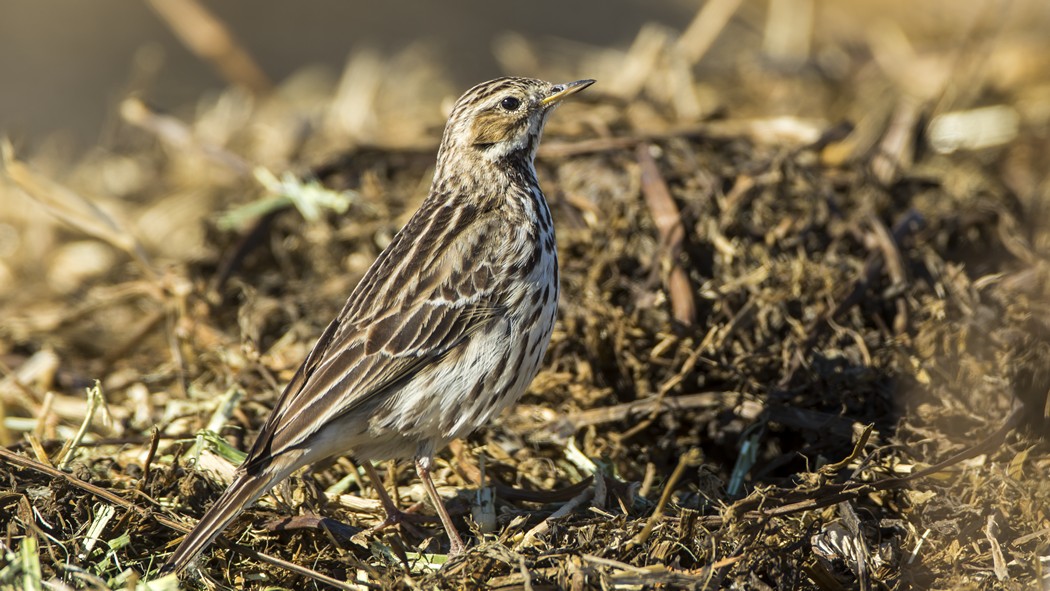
65 65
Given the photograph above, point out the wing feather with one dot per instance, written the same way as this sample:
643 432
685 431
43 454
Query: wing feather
383 337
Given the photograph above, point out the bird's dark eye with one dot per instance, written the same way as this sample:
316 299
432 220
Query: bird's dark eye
510 103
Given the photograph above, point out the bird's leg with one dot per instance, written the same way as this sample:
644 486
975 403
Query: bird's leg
384 497
455 542
394 516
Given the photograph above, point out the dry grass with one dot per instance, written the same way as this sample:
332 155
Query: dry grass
786 295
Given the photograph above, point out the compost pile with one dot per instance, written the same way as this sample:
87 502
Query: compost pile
788 290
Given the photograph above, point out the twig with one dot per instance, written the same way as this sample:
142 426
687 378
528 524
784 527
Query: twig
95 400
649 48
857 449
668 222
788 32
991 533
147 465
597 416
75 210
562 511
609 562
895 268
176 134
689 459
206 35
708 23
1031 537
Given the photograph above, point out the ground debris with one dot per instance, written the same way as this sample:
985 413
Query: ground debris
770 329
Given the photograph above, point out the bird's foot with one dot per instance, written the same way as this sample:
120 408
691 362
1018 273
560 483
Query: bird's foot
406 520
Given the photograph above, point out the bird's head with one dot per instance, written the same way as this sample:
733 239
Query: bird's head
503 118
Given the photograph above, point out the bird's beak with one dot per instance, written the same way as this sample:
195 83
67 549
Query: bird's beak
561 91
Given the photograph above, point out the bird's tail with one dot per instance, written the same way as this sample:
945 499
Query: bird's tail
242 492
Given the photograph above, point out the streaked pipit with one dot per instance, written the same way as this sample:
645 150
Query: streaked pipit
447 327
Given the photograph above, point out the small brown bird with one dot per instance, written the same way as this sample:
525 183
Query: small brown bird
447 327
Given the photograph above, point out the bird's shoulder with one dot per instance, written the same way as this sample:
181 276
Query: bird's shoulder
448 238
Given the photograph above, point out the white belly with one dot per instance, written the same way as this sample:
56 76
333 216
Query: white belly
450 400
